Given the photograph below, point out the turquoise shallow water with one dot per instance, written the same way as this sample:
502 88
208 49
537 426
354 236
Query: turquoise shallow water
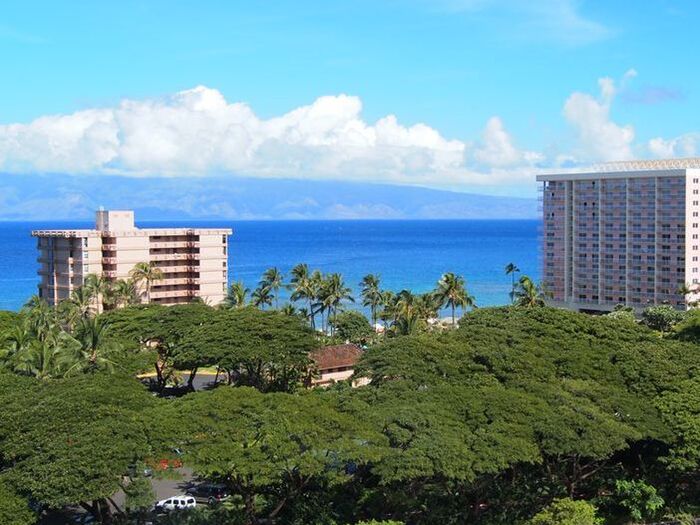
407 254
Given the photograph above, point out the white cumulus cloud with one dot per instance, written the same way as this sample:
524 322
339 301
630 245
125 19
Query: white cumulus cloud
497 149
599 138
682 146
198 132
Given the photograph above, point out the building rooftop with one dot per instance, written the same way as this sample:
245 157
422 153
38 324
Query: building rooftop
336 356
122 222
626 169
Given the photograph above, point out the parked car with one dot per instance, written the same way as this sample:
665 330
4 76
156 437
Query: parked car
184 501
210 493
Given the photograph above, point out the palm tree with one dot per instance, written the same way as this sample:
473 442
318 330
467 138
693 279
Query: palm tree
16 341
288 309
98 287
316 283
528 294
273 280
427 305
144 273
78 306
404 308
95 350
41 359
261 297
43 322
236 295
334 292
511 270
371 295
124 292
47 358
303 288
452 292
388 307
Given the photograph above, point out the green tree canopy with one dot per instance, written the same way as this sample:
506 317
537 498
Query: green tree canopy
70 441
264 349
267 448
352 326
14 509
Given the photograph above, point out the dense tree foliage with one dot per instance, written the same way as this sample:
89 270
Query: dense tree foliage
70 441
557 400
14 509
523 415
268 448
352 326
265 350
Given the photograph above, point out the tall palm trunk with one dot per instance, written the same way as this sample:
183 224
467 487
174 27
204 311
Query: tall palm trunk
312 316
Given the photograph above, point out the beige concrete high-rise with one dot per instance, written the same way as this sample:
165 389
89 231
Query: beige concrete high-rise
622 233
193 261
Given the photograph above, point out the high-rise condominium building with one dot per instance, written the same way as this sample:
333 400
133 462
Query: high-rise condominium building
192 260
623 233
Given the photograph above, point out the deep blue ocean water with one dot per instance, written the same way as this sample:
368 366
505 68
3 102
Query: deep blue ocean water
406 254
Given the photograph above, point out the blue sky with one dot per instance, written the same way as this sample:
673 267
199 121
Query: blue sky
508 87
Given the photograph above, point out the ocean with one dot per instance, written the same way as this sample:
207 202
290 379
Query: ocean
406 254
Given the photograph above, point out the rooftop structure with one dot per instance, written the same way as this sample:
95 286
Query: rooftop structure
335 363
193 261
622 233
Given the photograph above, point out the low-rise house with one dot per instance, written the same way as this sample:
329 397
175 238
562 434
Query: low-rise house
335 363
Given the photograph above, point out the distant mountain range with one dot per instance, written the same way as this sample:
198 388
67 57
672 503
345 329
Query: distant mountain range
60 197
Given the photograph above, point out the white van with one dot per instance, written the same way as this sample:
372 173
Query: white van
176 503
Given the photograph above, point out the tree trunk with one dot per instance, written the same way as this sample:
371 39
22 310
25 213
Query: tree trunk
190 380
159 377
312 317
249 504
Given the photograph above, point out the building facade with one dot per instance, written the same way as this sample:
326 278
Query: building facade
193 261
624 233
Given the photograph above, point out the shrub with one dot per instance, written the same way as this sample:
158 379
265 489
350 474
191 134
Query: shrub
639 498
567 512
662 317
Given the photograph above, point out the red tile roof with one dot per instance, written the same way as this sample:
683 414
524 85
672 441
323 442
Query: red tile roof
336 356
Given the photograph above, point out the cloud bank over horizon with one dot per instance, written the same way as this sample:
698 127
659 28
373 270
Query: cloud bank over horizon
197 132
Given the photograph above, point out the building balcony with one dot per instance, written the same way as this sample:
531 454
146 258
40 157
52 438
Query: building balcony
167 294
174 256
167 281
173 244
178 269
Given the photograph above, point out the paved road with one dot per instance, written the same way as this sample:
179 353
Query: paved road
165 487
